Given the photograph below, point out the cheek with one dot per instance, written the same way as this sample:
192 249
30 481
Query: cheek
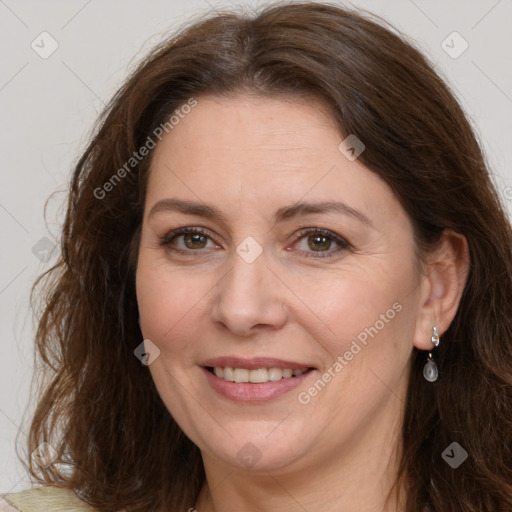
367 318
168 302
169 305
367 346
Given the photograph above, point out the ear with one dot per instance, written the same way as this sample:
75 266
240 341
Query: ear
445 275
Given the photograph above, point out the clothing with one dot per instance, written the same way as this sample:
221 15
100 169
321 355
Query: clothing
43 499
49 498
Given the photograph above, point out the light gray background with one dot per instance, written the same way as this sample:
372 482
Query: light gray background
49 107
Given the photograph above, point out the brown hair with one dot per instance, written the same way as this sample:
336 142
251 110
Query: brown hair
100 409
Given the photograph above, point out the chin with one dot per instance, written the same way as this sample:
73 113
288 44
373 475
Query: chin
257 445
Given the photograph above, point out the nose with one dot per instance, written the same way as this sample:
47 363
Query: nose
249 298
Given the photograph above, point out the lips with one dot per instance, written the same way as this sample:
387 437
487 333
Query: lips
253 363
254 380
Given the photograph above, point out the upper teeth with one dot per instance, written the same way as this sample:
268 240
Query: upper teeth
257 376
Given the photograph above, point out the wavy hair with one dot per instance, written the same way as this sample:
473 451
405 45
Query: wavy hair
117 445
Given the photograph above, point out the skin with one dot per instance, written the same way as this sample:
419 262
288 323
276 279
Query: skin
248 156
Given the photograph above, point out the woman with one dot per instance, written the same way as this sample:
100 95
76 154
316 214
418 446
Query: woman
285 284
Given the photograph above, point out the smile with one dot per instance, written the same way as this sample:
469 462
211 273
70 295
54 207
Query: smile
254 380
256 376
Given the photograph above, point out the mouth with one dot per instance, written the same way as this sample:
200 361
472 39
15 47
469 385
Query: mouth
255 376
254 380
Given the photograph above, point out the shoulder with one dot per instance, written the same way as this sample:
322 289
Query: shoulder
5 507
43 498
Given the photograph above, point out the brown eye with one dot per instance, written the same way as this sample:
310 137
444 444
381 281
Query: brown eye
187 239
194 240
321 243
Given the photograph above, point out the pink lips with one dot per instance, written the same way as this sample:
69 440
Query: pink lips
249 392
253 363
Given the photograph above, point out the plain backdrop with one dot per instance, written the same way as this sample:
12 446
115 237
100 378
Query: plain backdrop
49 104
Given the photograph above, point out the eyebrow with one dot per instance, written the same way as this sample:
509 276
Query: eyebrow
282 214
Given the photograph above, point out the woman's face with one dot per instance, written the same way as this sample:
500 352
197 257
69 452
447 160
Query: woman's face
271 279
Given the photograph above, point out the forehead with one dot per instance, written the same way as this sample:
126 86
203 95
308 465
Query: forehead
246 151
247 126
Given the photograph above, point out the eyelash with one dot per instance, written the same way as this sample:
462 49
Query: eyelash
343 244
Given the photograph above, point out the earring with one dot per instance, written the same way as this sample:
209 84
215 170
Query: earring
430 371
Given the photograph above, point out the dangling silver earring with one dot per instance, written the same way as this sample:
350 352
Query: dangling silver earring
430 371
